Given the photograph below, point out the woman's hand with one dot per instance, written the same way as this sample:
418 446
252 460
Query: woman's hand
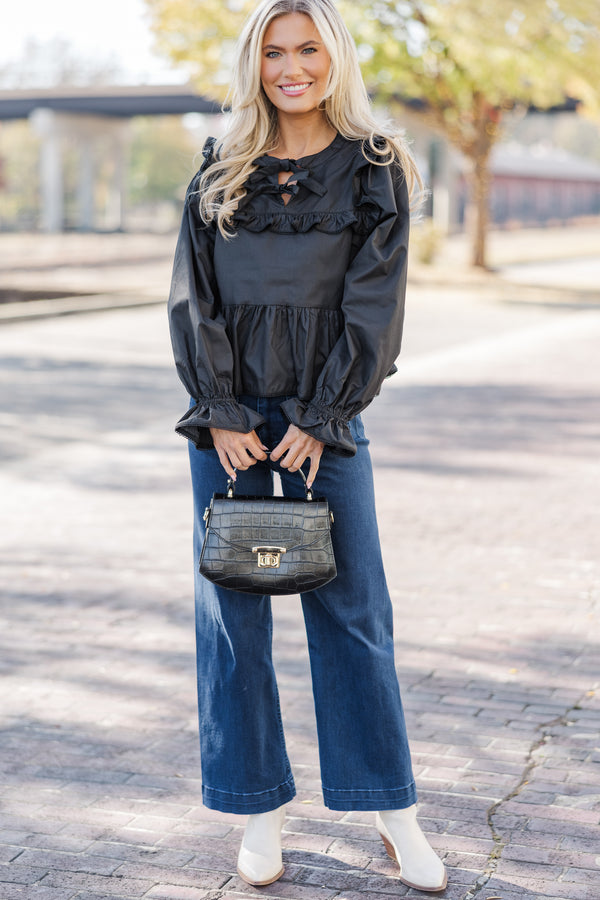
297 446
237 450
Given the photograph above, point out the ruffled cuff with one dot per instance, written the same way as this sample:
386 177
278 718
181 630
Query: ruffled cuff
216 412
322 423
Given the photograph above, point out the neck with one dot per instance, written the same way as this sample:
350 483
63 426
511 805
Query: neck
303 135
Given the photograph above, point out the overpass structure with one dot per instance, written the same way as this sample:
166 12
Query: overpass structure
84 119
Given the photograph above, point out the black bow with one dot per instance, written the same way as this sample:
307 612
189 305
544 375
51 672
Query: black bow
270 165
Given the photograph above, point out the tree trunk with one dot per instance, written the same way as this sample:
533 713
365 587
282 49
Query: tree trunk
480 193
485 119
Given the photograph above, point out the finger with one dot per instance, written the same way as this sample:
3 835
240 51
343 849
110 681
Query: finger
238 448
224 460
241 459
257 450
281 448
246 444
256 444
314 468
293 459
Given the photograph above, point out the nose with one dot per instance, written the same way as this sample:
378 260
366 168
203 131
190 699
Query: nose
293 69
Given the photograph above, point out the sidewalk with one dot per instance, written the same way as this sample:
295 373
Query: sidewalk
83 272
93 272
486 459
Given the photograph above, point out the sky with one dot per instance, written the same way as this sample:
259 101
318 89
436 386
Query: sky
97 29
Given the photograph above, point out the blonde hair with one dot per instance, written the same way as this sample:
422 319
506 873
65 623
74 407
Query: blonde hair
253 125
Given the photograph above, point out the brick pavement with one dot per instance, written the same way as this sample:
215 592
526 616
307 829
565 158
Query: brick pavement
487 472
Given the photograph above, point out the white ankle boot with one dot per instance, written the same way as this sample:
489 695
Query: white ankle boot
420 867
259 860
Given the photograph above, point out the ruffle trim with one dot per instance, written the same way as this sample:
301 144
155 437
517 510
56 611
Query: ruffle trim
208 151
216 412
363 217
293 223
367 206
322 423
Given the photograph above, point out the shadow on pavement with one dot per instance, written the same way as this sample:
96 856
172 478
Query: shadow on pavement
416 427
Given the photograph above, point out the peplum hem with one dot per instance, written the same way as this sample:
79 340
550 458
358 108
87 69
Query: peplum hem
216 412
322 423
300 339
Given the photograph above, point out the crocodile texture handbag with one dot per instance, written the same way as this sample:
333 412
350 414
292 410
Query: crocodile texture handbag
268 545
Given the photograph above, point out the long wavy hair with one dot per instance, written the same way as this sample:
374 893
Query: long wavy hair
253 126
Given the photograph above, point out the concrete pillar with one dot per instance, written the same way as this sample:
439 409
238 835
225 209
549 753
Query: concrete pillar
85 187
45 123
95 138
116 206
446 188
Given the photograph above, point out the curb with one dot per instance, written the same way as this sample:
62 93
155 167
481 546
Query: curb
67 306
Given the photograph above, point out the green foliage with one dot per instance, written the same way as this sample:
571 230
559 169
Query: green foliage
161 160
200 35
425 241
466 60
19 150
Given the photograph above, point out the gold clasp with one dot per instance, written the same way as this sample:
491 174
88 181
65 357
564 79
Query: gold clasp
268 557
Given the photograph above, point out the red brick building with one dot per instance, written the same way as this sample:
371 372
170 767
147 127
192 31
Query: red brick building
540 185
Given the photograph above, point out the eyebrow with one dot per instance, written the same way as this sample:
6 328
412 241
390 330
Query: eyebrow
299 47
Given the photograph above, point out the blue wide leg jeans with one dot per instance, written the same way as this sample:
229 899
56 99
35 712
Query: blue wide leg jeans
363 747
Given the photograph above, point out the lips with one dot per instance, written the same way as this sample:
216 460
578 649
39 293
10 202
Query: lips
294 90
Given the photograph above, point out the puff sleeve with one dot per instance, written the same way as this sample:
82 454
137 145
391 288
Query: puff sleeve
201 347
373 315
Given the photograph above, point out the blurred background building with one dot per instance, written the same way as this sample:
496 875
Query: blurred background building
88 155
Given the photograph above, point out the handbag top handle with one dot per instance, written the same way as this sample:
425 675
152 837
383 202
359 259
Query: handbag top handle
231 486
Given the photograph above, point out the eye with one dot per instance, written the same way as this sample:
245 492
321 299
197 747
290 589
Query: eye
310 50
271 54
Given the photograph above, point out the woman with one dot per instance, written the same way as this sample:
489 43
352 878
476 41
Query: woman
286 314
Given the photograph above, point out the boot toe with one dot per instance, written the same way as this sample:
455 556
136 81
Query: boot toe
420 866
258 870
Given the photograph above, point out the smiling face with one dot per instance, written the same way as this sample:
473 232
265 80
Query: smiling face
295 64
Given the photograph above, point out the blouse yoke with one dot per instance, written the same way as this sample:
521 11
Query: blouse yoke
305 301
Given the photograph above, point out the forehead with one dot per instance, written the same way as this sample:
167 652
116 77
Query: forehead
291 29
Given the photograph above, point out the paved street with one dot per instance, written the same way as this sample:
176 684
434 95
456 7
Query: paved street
486 446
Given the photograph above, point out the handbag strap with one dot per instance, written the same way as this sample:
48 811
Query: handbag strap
231 486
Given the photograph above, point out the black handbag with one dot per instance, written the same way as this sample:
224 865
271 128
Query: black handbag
268 545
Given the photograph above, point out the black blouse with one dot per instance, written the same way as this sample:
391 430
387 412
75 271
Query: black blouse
306 301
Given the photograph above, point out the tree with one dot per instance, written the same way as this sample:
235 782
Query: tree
19 190
200 35
468 63
57 62
160 160
464 63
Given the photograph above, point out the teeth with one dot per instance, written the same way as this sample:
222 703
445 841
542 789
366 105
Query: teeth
295 89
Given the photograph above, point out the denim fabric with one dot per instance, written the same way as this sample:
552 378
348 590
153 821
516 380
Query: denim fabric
363 748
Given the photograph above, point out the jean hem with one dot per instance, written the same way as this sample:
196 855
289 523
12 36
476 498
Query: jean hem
370 800
249 804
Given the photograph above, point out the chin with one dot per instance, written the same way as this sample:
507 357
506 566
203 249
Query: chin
295 105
